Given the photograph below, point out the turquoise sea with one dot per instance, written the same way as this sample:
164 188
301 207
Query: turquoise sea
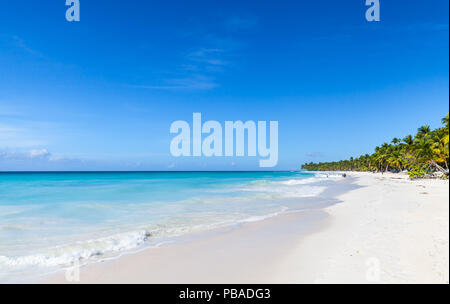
51 220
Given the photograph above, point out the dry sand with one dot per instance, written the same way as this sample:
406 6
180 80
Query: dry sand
389 230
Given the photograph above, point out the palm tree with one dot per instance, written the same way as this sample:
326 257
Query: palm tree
445 122
396 141
428 151
423 130
409 140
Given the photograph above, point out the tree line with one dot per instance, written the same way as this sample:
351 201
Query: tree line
425 154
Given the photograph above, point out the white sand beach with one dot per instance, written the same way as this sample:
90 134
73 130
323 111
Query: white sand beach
389 230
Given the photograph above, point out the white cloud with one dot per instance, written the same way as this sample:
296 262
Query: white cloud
208 56
43 153
191 82
199 67
20 43
39 160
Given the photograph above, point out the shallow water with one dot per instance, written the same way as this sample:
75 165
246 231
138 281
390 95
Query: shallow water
51 220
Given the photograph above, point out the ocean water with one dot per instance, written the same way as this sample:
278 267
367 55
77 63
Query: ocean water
52 220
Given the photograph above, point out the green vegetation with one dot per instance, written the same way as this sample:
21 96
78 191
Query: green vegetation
425 154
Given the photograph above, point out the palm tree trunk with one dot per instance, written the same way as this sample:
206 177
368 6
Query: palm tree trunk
434 163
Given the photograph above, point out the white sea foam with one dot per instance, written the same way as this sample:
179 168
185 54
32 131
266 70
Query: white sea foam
293 188
89 250
68 254
305 181
263 217
320 177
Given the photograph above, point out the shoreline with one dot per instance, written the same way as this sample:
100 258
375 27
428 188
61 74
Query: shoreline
206 257
385 230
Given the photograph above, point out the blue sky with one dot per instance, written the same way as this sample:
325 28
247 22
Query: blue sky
100 94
